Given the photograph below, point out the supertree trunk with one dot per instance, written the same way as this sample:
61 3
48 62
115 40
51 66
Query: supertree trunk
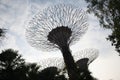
70 63
60 37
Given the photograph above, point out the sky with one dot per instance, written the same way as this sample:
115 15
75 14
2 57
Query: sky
15 15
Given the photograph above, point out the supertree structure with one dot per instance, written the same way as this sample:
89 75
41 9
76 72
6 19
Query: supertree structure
85 56
89 53
58 27
82 58
50 62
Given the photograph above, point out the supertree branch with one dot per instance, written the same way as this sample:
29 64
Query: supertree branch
58 27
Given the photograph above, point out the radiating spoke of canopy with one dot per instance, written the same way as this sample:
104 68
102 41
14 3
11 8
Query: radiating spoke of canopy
48 21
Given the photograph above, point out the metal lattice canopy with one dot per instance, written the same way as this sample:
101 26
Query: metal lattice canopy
51 18
91 54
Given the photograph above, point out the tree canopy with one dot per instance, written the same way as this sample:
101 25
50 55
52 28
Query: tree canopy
14 67
108 13
10 61
2 34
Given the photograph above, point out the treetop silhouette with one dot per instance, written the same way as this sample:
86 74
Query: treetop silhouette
108 14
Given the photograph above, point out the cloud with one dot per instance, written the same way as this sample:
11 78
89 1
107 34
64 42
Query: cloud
13 14
107 65
11 43
105 68
12 9
95 37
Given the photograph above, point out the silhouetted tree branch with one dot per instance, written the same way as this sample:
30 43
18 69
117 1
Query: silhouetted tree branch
13 67
108 13
2 34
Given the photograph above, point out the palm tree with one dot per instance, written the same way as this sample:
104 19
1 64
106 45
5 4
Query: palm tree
58 27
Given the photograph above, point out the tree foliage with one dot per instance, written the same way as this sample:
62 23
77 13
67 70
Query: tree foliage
10 59
51 73
2 34
9 62
108 13
13 67
3 31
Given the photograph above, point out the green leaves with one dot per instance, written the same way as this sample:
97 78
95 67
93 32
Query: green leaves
108 13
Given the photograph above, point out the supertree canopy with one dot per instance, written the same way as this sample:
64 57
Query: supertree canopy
52 61
63 19
84 57
91 54
57 27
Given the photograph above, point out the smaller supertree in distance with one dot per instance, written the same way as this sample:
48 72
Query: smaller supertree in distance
58 27
83 59
52 61
91 54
